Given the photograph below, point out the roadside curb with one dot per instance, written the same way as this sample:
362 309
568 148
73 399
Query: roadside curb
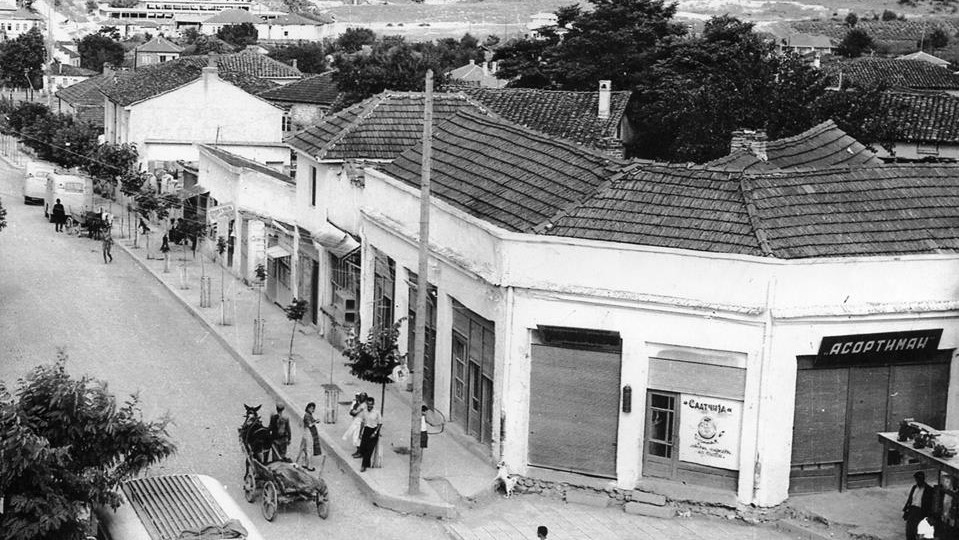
405 505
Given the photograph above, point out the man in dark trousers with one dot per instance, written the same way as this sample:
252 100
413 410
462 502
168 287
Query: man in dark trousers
59 216
369 432
280 431
919 505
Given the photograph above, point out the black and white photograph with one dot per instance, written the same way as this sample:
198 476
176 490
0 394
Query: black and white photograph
479 269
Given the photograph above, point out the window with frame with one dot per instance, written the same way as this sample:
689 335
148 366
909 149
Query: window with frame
283 271
384 287
345 281
928 149
287 124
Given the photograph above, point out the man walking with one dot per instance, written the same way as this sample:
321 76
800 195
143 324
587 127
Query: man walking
59 216
370 432
918 506
107 245
280 431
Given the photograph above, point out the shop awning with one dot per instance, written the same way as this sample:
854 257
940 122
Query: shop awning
338 242
277 252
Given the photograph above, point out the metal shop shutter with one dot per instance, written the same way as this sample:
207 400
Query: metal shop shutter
574 410
819 431
918 391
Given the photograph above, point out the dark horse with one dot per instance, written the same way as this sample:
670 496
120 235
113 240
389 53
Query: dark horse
254 435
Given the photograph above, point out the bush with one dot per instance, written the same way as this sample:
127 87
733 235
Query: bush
888 15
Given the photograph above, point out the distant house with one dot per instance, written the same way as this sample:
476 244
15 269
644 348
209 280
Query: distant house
592 119
925 57
909 74
539 21
819 147
167 109
228 17
14 21
927 125
65 52
808 43
84 99
294 27
59 76
133 27
156 51
305 101
474 74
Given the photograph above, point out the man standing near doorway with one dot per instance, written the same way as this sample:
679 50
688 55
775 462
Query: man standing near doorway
370 432
918 506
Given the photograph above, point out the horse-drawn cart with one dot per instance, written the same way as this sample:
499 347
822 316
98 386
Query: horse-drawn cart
281 481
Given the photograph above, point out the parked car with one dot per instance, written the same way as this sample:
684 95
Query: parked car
35 181
169 506
74 191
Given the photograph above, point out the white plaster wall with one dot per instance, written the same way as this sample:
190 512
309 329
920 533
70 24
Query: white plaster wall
152 151
206 110
305 32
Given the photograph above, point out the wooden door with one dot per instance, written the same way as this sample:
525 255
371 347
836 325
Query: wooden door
459 379
474 414
315 291
659 449
868 392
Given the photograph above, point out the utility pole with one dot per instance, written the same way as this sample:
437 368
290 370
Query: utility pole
422 285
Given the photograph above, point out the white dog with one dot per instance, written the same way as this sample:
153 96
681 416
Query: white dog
503 477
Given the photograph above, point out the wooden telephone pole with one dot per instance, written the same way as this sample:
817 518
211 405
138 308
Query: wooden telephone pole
422 285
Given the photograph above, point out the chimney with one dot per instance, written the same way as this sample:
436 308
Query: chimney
209 73
294 64
59 68
817 60
493 67
485 68
750 140
604 96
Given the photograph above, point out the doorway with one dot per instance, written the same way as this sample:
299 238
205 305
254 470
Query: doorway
472 369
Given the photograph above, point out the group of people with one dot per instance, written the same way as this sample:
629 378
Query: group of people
364 431
281 435
99 227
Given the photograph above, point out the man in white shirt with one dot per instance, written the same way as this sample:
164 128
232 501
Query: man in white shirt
918 506
369 432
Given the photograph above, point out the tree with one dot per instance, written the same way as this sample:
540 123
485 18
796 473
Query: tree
110 162
91 6
616 40
294 312
862 112
353 39
937 39
238 35
452 53
524 63
3 216
851 19
21 60
99 48
310 56
25 115
190 35
393 64
888 15
205 44
855 43
68 444
375 359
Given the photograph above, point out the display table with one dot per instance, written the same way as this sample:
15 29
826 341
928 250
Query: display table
947 499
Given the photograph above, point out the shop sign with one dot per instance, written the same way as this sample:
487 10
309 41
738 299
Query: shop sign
256 243
844 349
709 431
217 212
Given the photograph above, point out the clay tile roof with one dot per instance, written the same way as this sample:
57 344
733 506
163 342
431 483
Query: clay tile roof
379 128
837 212
318 89
66 70
560 113
233 16
294 19
20 15
247 71
888 210
240 161
159 44
894 72
821 146
928 118
87 92
505 174
667 206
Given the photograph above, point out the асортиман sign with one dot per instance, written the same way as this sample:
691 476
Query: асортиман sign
866 346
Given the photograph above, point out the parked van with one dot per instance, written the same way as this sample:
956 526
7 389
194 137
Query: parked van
164 507
74 191
35 181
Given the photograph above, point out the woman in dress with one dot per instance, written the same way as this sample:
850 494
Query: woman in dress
310 441
353 432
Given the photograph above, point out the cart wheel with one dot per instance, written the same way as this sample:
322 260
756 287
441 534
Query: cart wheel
270 500
322 506
249 485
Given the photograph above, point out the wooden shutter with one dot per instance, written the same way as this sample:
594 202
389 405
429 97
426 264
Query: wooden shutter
819 422
574 410
918 391
868 389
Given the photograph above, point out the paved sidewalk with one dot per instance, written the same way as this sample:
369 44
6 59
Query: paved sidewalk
516 518
450 472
